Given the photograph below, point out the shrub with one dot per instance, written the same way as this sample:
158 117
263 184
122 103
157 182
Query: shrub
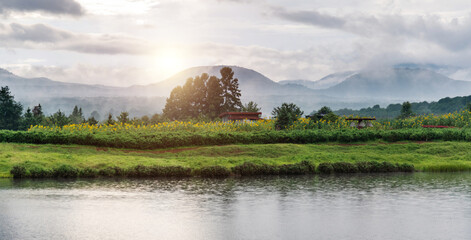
251 169
388 167
65 171
18 171
344 167
326 168
406 167
214 172
88 173
38 172
169 171
303 167
139 171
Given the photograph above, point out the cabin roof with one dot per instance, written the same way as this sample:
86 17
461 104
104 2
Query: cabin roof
241 115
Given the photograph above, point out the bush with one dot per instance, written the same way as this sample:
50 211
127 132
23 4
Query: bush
88 173
65 171
170 171
344 167
37 172
18 171
304 167
389 167
326 168
406 167
213 172
251 169
110 172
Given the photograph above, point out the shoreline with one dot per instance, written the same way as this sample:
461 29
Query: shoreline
70 161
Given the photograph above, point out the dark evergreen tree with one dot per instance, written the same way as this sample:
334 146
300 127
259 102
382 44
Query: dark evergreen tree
204 97
214 98
110 120
230 90
123 117
250 107
92 121
59 119
10 110
38 114
28 120
406 110
286 115
76 117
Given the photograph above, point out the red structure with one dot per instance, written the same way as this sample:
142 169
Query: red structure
240 116
436 126
361 122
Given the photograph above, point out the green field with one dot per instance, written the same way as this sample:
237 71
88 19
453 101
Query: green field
428 156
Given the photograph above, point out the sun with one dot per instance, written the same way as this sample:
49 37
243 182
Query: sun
169 61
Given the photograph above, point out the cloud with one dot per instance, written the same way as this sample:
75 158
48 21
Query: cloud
61 7
40 36
453 34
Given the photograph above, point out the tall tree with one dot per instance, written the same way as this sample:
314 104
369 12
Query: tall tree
77 116
123 117
406 110
110 120
174 105
286 115
204 97
230 90
28 120
250 107
59 119
214 98
10 110
38 114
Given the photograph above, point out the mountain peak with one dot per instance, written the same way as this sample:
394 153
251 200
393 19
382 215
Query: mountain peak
5 72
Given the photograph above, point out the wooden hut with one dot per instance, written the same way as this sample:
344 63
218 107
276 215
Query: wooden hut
240 116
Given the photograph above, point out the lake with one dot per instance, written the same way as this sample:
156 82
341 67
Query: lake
380 206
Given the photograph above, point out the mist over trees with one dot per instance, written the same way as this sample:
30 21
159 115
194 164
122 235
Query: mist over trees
442 106
204 97
10 110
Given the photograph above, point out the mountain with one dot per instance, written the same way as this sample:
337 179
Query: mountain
31 88
323 83
399 84
339 90
251 83
55 95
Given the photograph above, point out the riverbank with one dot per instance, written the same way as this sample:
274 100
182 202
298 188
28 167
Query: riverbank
85 161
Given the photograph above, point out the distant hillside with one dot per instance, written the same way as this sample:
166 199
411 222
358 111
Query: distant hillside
346 90
323 83
399 84
250 82
442 106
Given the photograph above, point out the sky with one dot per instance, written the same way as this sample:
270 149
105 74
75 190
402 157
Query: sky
127 42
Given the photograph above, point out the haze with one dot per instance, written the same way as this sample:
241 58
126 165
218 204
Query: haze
126 42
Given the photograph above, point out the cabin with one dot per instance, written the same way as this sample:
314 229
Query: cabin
240 116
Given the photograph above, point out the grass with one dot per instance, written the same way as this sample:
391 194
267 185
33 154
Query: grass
430 156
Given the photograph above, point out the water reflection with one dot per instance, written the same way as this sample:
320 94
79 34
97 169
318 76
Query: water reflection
390 206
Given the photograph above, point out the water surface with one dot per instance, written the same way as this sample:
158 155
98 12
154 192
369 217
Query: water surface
393 206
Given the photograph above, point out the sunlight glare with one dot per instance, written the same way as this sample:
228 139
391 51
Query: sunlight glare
169 61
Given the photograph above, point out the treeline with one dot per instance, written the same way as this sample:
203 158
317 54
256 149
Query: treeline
13 118
204 97
442 106
201 98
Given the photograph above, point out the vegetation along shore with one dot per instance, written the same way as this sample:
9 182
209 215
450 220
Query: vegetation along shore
72 161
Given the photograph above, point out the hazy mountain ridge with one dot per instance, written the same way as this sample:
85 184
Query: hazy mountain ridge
400 84
323 83
358 89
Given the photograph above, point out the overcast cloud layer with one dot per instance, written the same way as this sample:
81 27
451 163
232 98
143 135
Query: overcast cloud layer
125 42
66 7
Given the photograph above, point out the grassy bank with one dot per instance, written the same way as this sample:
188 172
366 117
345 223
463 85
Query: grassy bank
139 138
287 158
